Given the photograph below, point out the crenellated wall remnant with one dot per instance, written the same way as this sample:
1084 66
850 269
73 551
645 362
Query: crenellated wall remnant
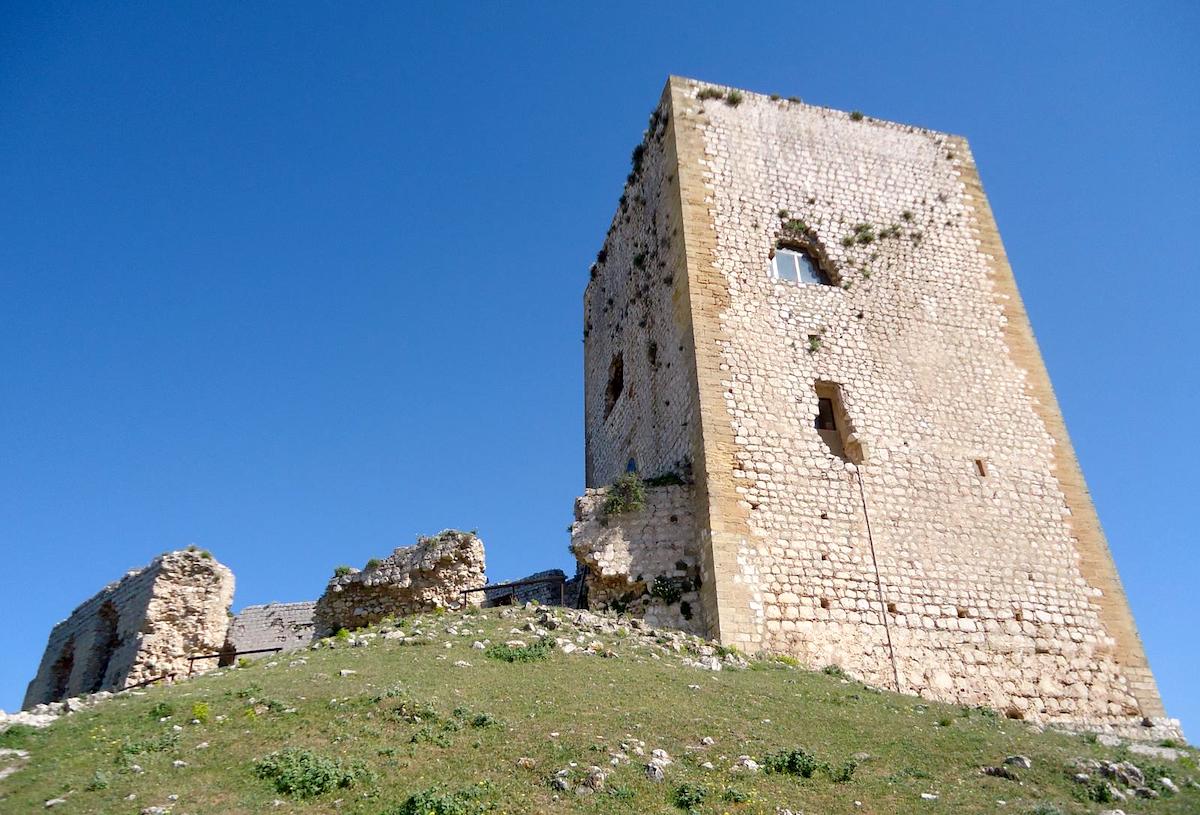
140 627
643 561
432 574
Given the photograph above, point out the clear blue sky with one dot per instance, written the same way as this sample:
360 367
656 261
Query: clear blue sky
297 282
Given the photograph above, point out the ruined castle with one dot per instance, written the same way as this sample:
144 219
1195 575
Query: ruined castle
806 359
805 317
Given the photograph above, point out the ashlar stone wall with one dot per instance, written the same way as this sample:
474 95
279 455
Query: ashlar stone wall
140 627
412 579
643 562
286 626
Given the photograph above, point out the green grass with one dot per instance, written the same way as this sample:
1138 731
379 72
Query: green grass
410 732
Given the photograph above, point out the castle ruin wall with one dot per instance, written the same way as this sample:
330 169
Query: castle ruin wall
286 626
140 627
413 579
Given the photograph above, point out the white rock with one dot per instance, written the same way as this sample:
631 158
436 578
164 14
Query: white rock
928 796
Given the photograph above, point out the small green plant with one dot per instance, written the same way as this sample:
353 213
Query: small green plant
162 710
775 97
373 563
689 796
733 795
944 721
709 93
796 761
734 98
856 116
685 610
665 589
621 793
342 571
427 735
639 260
907 215
843 773
814 343
892 231
305 774
156 744
243 662
1044 809
484 720
797 227
439 801
627 494
200 712
342 635
536 652
834 671
100 780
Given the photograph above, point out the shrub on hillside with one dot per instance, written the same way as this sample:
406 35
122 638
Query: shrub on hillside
305 774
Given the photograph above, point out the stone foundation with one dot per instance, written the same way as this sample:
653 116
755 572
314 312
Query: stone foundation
430 575
141 627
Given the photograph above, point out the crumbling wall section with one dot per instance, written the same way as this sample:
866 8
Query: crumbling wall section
137 628
430 575
644 562
286 626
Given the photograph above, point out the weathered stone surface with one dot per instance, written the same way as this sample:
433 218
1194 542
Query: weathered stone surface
643 562
286 626
140 627
412 579
934 534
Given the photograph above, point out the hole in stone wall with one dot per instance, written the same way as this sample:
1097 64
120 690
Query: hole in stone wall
824 602
652 352
616 383
892 608
980 468
833 424
963 612
1019 616
824 516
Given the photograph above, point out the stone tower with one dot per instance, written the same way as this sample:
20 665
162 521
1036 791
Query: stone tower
803 332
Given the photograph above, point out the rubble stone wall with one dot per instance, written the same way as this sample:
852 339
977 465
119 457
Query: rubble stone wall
287 626
413 579
645 563
140 627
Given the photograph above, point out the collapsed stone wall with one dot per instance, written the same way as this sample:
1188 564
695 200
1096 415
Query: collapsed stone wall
432 574
286 626
140 627
643 562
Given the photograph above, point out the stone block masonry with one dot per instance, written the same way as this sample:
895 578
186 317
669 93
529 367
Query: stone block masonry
881 478
286 626
142 626
411 580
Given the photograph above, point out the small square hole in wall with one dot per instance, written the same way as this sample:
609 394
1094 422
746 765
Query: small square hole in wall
963 612
824 602
981 468
892 608
1019 616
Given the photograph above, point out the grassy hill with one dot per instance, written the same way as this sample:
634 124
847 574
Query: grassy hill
415 718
